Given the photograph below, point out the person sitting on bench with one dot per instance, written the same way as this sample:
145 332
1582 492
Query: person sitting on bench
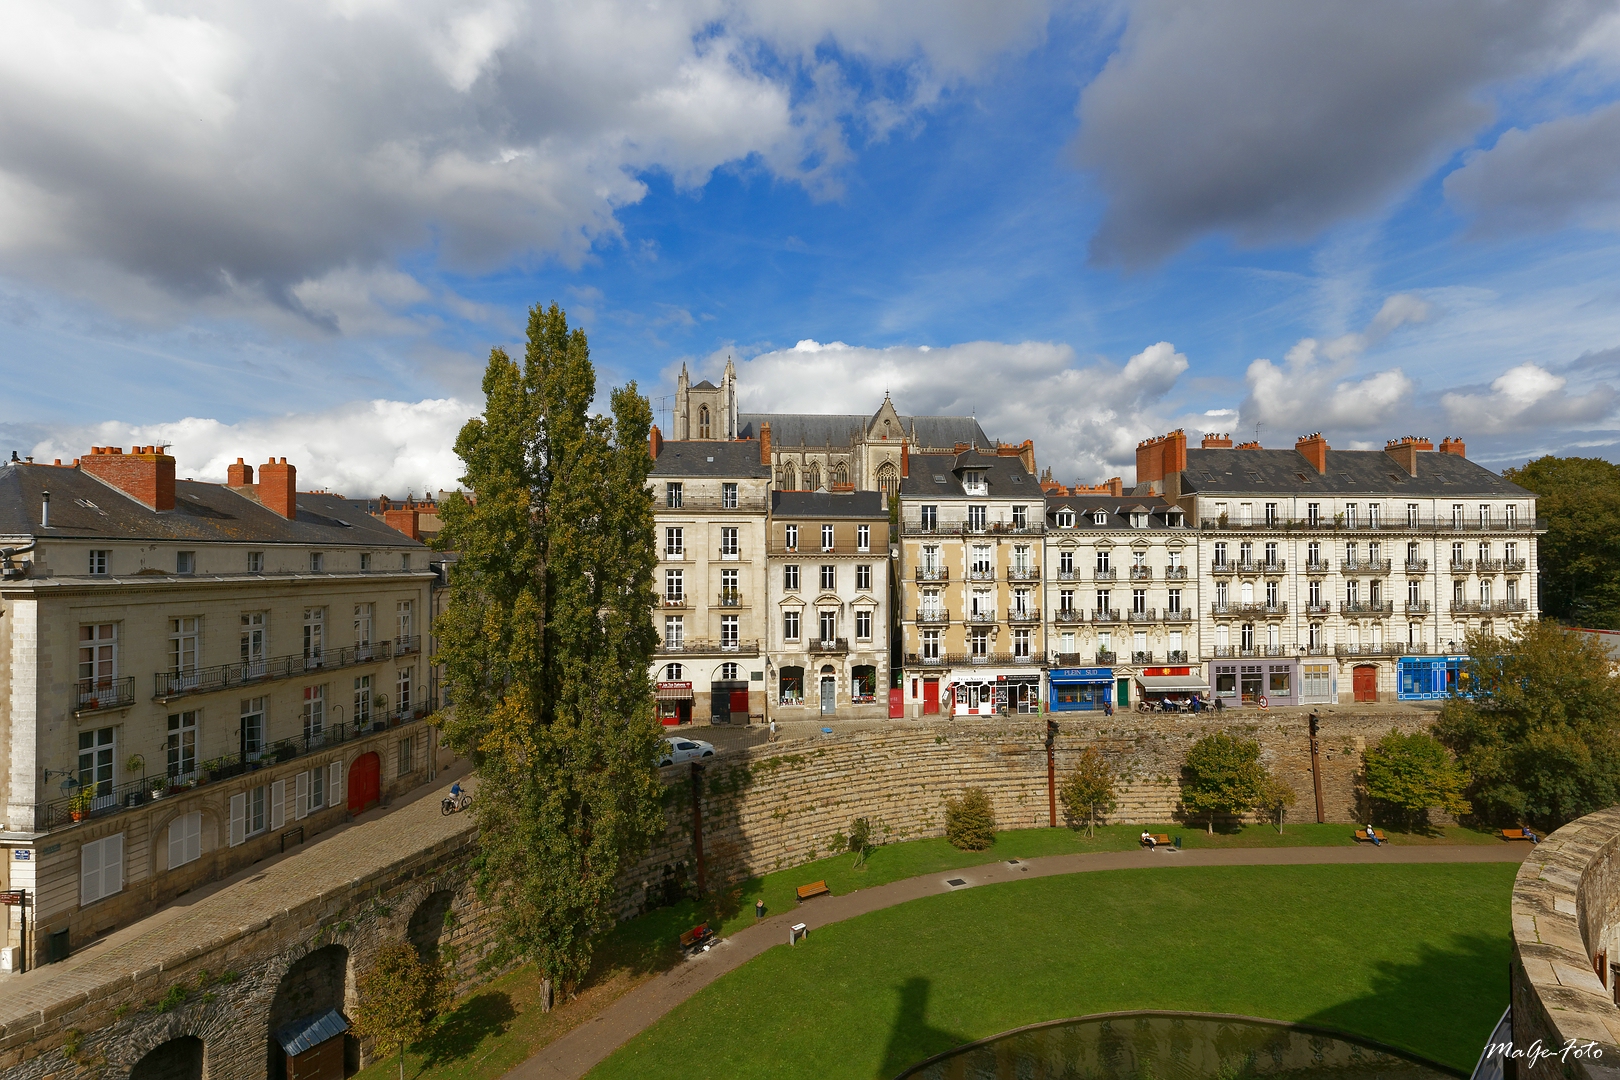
1372 834
1147 838
1530 835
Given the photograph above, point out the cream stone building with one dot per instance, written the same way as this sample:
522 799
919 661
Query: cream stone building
193 676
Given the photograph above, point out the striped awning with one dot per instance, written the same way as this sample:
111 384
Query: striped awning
675 693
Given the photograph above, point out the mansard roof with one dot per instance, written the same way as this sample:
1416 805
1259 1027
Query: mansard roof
941 475
710 457
826 504
840 430
1349 472
1118 511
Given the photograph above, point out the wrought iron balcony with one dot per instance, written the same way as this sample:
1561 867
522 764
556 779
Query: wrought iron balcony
1383 648
1105 615
1176 656
1420 607
1141 573
1513 566
1069 616
1023 573
1488 566
730 598
1183 615
1364 566
1067 575
1108 574
933 573
1461 566
702 647
1417 566
980 617
829 645
1143 616
1025 617
1106 657
99 695
1175 573
981 575
1224 652
1141 659
1223 568
1317 566
1490 607
1322 607
167 685
1366 607
676 602
935 617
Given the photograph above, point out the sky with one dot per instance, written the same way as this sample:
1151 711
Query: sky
298 229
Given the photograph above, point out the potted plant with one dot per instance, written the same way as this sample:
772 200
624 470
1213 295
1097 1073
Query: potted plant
136 763
158 785
79 804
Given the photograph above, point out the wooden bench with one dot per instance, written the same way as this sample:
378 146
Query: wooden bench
1518 834
815 888
697 937
1363 838
1158 840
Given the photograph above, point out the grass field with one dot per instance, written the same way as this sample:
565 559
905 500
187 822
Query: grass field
1414 956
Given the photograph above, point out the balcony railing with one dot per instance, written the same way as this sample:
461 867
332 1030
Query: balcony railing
1364 566
1106 657
1417 566
1225 652
1273 566
1105 615
1513 566
1318 650
1468 523
1141 659
1420 607
99 695
1254 608
730 598
1071 659
1145 615
1176 656
960 528
1069 616
704 503
700 647
1489 607
1175 573
1025 617
1223 568
984 574
980 617
1317 566
1023 573
918 660
936 617
1184 615
1321 607
1106 574
729 554
933 573
1488 566
173 684
1366 607
1068 575
1141 573
1461 566
1384 648
676 602
829 645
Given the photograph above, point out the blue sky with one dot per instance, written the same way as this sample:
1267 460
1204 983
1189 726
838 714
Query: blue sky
248 234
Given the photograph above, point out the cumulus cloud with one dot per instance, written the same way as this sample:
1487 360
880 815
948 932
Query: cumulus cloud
358 449
1271 120
1553 174
254 151
1526 398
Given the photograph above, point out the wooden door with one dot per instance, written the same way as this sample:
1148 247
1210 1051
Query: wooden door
1365 682
365 783
930 697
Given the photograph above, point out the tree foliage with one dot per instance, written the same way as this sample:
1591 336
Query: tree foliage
1276 797
1088 790
1537 734
970 822
860 839
546 641
1409 774
397 1000
1223 775
1579 557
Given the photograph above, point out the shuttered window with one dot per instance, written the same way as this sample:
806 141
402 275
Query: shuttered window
238 818
301 796
185 838
101 869
278 804
334 783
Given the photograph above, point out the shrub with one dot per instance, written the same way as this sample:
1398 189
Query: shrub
860 839
970 822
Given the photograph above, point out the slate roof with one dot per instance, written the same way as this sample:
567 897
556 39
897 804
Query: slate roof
704 457
705 385
824 504
941 475
83 507
1119 511
789 430
311 1031
1349 472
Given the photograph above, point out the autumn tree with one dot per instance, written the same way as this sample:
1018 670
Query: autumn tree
970 821
1535 727
1410 773
397 1000
1276 797
1223 775
546 641
1088 790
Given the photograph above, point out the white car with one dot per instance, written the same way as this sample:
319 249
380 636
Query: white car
676 750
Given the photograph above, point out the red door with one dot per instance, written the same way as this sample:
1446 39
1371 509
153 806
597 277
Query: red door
930 697
739 706
1366 682
365 783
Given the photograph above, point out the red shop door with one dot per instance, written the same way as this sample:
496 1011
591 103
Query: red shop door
365 783
1366 682
930 697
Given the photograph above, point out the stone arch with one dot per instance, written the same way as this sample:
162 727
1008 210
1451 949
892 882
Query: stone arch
888 479
790 480
839 474
212 837
180 1058
812 476
426 928
320 979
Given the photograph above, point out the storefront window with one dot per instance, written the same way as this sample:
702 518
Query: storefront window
791 680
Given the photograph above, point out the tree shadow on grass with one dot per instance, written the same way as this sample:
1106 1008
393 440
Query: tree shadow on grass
1442 1006
911 1039
463 1029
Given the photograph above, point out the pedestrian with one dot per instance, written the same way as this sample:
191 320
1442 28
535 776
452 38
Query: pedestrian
773 730
1108 706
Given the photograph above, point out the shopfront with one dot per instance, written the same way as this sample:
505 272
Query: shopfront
1267 682
1176 686
1079 689
675 703
1429 678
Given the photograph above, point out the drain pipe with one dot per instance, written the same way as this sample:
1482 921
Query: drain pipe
9 570
45 510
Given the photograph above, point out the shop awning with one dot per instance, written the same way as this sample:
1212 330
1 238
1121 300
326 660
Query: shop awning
1172 684
1081 675
675 693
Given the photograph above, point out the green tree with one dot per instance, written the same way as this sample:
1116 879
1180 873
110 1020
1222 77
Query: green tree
970 822
1223 775
1536 736
1088 790
1276 797
397 1001
860 839
1408 774
546 641
1579 557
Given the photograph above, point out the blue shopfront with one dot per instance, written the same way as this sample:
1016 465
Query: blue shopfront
1427 678
1080 689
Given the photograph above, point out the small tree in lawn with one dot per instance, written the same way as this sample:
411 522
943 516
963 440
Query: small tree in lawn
1279 796
1223 775
860 839
970 822
397 1000
1411 773
1089 790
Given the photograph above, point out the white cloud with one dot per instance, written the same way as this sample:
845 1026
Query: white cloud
1525 398
1561 171
358 449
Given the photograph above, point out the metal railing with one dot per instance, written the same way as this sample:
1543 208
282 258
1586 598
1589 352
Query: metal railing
1253 608
1141 659
98 695
1141 573
1107 574
1105 615
829 645
691 503
933 573
1420 607
1024 617
962 528
1175 573
1145 615
1317 566
981 617
1182 615
1513 566
1469 523
1318 650
700 647
1069 616
1023 573
1488 566
1417 566
1176 656
1384 648
1364 566
934 618
1490 607
981 575
730 598
676 602
1068 575
1223 567
1322 607
1366 607
1461 566
207 680
1106 657
1224 652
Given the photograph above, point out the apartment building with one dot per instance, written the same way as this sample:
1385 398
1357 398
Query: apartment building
971 579
1121 599
1345 575
829 598
711 500
193 676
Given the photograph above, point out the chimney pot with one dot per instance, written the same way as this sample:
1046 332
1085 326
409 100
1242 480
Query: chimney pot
145 475
278 488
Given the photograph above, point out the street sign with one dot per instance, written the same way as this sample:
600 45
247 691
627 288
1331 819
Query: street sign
14 897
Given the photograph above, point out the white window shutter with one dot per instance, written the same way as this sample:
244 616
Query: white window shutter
90 873
194 836
301 796
278 804
177 842
238 818
112 865
334 784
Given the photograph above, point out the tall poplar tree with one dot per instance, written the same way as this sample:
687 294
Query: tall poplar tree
545 643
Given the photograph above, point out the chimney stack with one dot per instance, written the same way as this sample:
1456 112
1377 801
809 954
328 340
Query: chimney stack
1453 446
905 458
1405 451
1158 457
655 442
146 474
1212 441
278 488
239 475
1314 448
765 443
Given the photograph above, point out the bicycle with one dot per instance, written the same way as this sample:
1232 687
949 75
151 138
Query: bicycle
452 804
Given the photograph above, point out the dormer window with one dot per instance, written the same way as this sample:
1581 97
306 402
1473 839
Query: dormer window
1100 517
973 483
1174 519
1065 519
1139 519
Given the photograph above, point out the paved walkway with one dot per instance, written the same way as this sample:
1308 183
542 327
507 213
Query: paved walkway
577 1052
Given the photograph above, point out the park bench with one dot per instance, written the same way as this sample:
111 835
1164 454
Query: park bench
815 888
1362 837
1517 834
697 937
1159 840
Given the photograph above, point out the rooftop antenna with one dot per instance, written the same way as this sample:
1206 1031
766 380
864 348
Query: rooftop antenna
1257 432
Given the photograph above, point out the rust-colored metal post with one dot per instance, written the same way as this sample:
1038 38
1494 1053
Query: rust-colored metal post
1316 771
1051 774
697 825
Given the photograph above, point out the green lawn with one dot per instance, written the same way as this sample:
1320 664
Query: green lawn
1413 956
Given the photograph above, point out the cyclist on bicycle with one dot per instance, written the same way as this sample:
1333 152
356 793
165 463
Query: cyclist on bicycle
455 790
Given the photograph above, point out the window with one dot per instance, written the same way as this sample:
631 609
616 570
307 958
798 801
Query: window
1246 553
1315 635
98 562
790 625
362 702
1457 592
673 542
1100 518
1139 601
728 541
674 631
317 788
258 803
1065 519
1021 601
314 636
1456 515
976 518
185 839
1246 640
1174 556
930 645
254 644
1484 552
1104 596
973 483
1512 589
1246 513
1485 591
1374 511
863 538
101 868
1271 594
365 560
255 562
1020 644
185 562
980 643
790 537
251 721
403 681
829 577
1173 601
1484 515
674 586
1220 553
728 672
405 763
1066 600
829 625
1350 515
981 559
1066 564
181 745
863 577
317 562
1314 593
930 555
1457 560
1271 514
98 656
314 713
672 495
728 496
1020 517
1512 514
826 538
1220 595
1271 553
930 518
673 672
790 577
404 622
405 561
863 625
364 616
1510 551
183 644
96 749
1313 514
1313 553
1103 557
703 421
1412 594
729 627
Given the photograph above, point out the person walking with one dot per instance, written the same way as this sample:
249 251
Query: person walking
772 737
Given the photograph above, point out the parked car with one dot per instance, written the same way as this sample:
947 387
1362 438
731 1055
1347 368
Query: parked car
676 750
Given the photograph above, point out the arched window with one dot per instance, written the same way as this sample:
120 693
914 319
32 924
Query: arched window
703 421
673 673
790 480
888 478
728 672
840 475
812 476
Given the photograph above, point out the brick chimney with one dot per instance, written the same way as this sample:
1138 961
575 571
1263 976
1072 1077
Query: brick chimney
145 474
1314 448
1453 446
239 475
407 520
765 443
1252 444
1405 451
1150 461
278 488
905 458
1213 441
1175 451
1026 455
655 442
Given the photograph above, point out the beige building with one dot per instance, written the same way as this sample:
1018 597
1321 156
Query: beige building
829 596
193 676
